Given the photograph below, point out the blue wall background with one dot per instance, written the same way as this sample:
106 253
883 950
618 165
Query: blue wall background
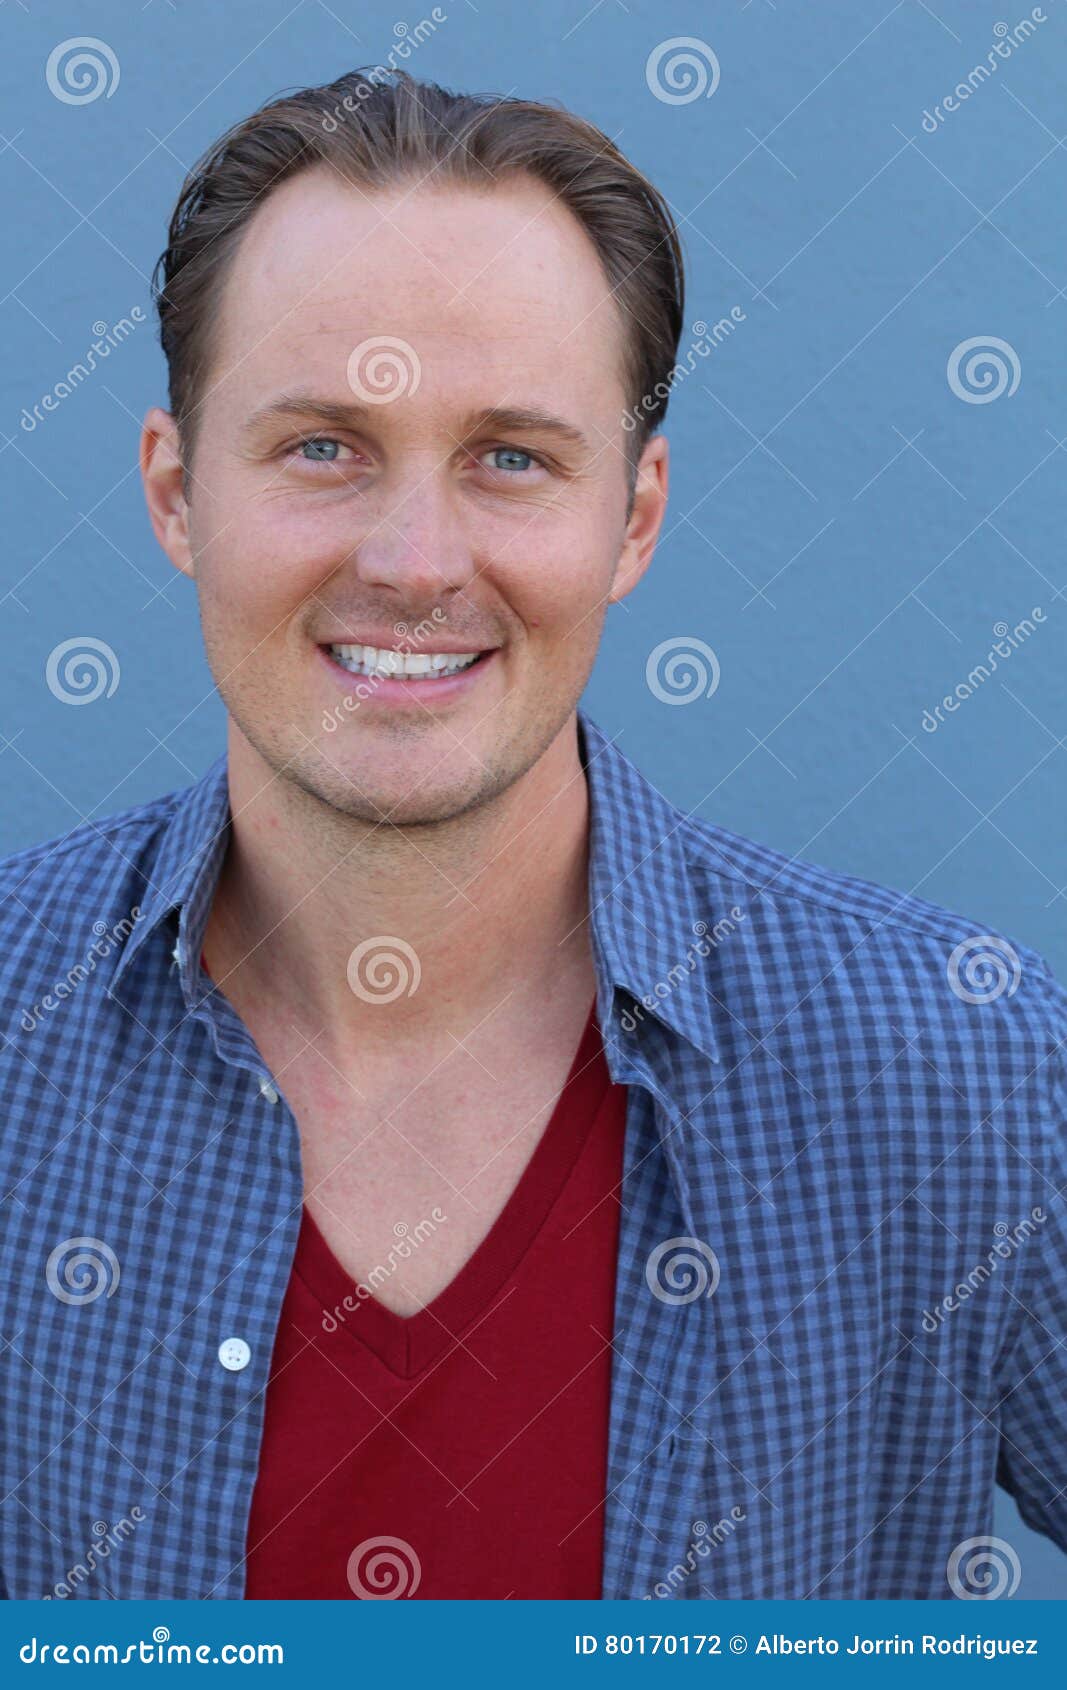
846 530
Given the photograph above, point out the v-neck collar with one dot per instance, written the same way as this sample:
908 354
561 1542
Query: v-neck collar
408 1344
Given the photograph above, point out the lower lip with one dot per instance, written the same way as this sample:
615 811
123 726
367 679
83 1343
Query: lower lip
395 690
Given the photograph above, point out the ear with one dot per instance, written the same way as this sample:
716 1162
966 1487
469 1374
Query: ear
163 477
646 518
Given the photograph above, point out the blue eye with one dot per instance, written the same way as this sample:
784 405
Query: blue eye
512 452
323 450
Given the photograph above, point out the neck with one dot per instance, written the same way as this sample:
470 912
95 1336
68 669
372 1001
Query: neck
493 904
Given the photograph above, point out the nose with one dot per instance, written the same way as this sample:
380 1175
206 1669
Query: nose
416 542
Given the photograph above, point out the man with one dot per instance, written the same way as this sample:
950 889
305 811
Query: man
457 1173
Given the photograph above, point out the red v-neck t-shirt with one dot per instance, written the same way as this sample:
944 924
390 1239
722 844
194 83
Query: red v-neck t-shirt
460 1452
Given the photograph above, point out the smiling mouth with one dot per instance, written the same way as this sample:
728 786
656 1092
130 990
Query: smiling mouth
385 664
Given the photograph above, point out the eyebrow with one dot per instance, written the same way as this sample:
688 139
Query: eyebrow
503 419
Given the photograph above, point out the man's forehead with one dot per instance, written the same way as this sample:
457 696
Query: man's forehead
459 269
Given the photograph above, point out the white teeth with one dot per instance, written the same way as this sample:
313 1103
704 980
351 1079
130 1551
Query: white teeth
382 662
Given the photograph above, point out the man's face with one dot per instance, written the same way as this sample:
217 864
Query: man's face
402 521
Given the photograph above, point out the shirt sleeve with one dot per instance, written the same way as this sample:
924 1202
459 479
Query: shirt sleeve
1032 1384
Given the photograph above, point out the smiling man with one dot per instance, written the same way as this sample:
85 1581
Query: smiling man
459 1173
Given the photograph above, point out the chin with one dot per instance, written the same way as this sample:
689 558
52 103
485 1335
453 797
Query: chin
402 798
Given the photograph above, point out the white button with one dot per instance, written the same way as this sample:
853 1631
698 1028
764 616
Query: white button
176 953
267 1089
234 1354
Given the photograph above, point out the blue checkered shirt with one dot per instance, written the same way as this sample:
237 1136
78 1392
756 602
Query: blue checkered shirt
842 1263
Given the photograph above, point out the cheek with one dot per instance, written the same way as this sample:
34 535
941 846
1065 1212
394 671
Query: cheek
563 621
259 570
557 593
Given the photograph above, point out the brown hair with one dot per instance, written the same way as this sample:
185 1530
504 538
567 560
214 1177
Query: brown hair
377 134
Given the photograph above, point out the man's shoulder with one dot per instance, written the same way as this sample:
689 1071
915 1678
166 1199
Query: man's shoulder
85 855
61 894
786 939
872 946
814 892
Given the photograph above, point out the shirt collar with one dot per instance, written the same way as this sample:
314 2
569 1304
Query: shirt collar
644 911
644 916
183 875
